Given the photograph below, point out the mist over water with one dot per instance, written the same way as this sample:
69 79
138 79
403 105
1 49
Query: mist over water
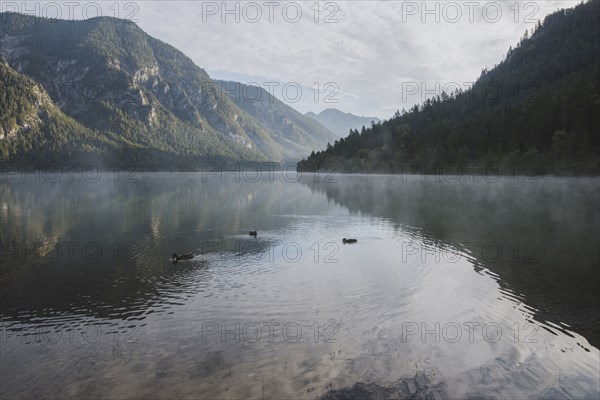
465 287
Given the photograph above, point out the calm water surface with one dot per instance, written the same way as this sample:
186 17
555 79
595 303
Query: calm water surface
454 289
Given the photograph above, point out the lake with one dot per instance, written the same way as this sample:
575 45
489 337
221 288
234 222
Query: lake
457 286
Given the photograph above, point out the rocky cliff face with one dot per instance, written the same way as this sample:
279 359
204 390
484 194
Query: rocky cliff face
33 116
137 91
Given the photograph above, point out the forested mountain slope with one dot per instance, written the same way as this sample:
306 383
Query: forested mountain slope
538 111
145 103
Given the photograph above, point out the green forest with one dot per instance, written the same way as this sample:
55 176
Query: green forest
104 91
536 112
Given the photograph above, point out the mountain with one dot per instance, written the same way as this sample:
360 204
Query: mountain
31 123
295 132
340 122
538 111
128 98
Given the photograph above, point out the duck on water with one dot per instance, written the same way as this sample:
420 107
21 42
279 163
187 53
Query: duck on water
187 256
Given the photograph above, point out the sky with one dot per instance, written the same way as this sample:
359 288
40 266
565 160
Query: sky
367 57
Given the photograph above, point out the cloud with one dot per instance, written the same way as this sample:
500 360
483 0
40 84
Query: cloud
369 49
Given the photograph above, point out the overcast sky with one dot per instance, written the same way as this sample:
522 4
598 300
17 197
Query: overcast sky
369 56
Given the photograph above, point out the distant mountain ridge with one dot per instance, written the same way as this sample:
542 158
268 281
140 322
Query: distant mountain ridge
340 122
130 99
294 131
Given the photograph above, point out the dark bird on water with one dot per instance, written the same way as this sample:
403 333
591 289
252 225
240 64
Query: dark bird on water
252 233
187 256
349 240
